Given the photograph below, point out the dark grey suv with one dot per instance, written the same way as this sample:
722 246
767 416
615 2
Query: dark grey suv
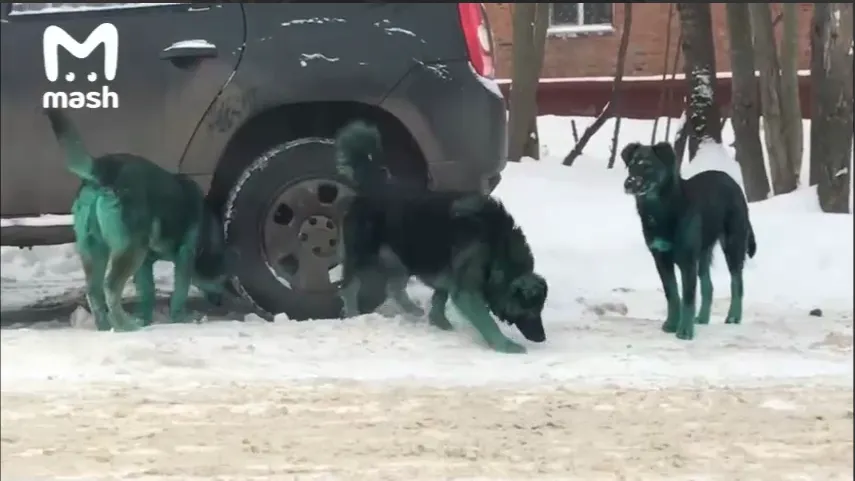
245 99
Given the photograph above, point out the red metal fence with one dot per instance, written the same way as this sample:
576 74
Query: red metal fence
640 97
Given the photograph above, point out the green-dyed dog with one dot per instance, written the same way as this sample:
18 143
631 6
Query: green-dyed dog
682 220
467 247
129 213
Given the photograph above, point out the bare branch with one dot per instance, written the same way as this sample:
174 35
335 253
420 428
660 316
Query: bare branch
608 110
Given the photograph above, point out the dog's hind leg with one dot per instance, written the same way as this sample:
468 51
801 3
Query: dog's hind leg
734 313
127 253
94 254
182 276
94 260
397 289
144 282
396 286
734 255
123 265
665 268
704 264
437 317
688 253
689 280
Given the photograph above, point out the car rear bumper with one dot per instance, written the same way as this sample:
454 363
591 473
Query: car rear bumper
459 122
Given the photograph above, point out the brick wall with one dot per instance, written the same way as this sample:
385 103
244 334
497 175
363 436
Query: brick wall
594 55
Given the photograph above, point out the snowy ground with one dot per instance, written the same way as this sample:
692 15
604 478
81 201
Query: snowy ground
607 397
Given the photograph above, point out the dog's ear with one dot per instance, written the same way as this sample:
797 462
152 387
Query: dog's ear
628 151
531 289
666 153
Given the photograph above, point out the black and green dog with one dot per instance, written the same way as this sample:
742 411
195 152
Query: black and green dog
466 247
682 221
130 213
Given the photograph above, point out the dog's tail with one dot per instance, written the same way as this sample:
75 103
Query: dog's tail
752 242
359 155
77 158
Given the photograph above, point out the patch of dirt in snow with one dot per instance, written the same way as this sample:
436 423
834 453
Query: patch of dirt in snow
354 431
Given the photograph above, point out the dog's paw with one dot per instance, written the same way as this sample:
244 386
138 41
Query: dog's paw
129 325
669 326
686 332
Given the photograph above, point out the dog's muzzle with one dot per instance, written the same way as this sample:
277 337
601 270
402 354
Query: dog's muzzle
633 185
533 333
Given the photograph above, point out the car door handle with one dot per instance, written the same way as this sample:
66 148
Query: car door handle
189 49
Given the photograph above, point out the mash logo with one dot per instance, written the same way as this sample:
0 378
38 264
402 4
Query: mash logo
105 34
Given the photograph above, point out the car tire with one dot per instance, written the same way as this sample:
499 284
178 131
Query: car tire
282 217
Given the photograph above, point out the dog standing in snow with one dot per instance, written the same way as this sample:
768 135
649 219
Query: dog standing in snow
682 220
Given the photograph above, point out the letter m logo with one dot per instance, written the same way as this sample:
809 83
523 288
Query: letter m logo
105 33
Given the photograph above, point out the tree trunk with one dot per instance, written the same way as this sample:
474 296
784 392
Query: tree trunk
699 65
831 119
766 55
790 102
530 22
745 107
541 24
525 76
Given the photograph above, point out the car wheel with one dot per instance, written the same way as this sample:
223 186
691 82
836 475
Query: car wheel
283 216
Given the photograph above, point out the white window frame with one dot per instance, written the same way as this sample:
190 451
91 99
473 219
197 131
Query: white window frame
14 12
579 28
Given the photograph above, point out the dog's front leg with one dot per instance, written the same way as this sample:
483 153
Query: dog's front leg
473 306
467 287
665 268
144 282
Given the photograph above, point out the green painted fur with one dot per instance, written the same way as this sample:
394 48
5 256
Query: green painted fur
130 213
682 220
466 247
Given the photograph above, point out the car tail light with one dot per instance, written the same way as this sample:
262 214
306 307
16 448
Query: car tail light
479 40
